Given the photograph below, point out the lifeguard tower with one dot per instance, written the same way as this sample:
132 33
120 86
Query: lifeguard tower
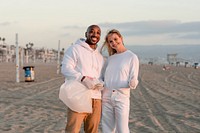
172 58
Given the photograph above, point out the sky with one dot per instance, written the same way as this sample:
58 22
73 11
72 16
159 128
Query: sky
141 22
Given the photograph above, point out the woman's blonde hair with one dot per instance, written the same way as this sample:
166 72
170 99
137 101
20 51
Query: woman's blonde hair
110 50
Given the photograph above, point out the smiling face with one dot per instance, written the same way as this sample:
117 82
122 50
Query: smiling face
93 35
115 41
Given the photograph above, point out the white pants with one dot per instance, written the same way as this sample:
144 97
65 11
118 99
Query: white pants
115 111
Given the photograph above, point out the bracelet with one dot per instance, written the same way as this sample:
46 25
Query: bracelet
82 78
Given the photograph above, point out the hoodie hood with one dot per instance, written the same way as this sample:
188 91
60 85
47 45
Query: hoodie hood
82 42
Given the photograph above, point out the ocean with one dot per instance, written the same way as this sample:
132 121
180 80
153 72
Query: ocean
158 53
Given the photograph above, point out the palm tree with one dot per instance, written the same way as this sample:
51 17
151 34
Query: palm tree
29 46
3 39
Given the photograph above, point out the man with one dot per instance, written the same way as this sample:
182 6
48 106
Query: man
83 62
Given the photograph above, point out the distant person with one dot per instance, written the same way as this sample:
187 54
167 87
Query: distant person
166 67
120 75
83 62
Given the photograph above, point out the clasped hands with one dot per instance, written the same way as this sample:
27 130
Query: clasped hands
92 83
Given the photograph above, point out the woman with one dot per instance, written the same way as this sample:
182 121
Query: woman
120 75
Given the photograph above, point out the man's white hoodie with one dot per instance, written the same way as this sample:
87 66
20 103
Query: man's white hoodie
81 60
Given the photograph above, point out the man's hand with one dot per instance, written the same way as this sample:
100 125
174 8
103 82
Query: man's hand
92 83
99 85
88 82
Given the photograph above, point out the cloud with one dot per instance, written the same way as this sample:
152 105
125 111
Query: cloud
189 36
165 32
71 30
65 35
148 28
5 23
72 27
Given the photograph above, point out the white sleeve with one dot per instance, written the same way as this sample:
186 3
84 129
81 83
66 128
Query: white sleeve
134 70
69 63
103 69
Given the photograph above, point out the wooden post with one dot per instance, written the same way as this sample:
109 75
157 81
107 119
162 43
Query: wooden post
27 55
17 59
58 61
34 55
22 56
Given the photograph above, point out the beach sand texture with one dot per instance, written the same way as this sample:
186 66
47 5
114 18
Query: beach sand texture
164 102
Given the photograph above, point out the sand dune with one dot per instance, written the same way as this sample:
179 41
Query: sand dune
164 101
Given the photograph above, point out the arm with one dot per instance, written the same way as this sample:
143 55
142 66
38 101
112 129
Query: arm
134 70
103 70
93 83
69 64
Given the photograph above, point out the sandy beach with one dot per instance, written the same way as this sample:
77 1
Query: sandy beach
164 102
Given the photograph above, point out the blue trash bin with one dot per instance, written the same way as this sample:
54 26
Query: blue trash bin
29 73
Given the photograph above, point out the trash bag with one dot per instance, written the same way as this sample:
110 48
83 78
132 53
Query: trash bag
76 96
